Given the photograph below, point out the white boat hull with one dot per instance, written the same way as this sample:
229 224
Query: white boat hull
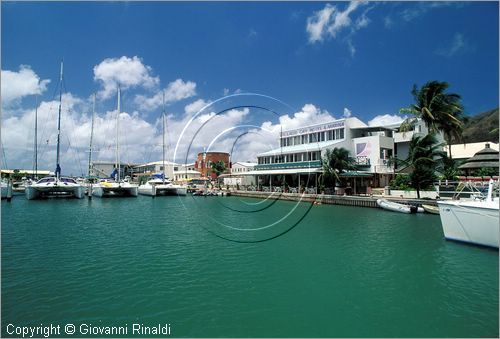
4 191
156 190
36 191
473 221
114 190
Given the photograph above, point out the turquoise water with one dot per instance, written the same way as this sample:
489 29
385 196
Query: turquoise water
335 272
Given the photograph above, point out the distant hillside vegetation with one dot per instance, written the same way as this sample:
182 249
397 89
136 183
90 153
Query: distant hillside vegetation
482 127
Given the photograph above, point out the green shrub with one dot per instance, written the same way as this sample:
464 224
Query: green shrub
401 182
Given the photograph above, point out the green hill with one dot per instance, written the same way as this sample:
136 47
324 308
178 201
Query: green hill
482 127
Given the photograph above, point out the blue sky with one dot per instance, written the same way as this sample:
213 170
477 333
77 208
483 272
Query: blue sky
323 59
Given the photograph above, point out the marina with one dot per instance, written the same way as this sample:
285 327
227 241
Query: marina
247 169
101 261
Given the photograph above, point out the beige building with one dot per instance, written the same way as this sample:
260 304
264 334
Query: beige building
466 151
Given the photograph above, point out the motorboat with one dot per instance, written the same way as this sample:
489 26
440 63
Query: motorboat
473 221
54 187
397 207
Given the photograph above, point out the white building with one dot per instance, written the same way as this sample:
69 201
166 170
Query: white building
242 167
296 164
237 170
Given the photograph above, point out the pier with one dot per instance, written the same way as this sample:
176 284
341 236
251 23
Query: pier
345 200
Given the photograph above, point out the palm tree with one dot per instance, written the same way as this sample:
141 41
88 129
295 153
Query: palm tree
218 167
334 162
425 159
440 111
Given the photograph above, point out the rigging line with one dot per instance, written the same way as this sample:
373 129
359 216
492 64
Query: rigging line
35 141
76 154
76 148
50 112
167 132
4 158
69 111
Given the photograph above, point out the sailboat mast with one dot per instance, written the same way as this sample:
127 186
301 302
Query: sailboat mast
117 165
58 167
35 172
91 137
163 133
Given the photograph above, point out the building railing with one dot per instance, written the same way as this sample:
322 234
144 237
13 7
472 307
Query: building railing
301 164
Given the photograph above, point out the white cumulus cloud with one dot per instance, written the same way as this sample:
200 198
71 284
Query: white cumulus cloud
195 106
385 119
16 85
330 21
125 72
175 91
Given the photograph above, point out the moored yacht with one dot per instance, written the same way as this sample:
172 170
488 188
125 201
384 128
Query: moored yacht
473 221
55 186
114 186
158 186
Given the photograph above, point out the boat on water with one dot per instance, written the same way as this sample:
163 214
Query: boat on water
115 186
158 184
431 209
397 207
112 188
5 189
55 186
473 221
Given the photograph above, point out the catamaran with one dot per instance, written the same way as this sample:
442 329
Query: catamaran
159 184
115 186
56 186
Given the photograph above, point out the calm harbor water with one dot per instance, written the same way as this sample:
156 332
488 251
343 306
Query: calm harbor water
338 272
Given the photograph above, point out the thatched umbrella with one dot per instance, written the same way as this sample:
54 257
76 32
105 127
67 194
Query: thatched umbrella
485 158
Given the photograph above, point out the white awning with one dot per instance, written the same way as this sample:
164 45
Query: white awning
284 171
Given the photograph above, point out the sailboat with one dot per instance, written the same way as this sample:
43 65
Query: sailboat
115 186
159 184
56 186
